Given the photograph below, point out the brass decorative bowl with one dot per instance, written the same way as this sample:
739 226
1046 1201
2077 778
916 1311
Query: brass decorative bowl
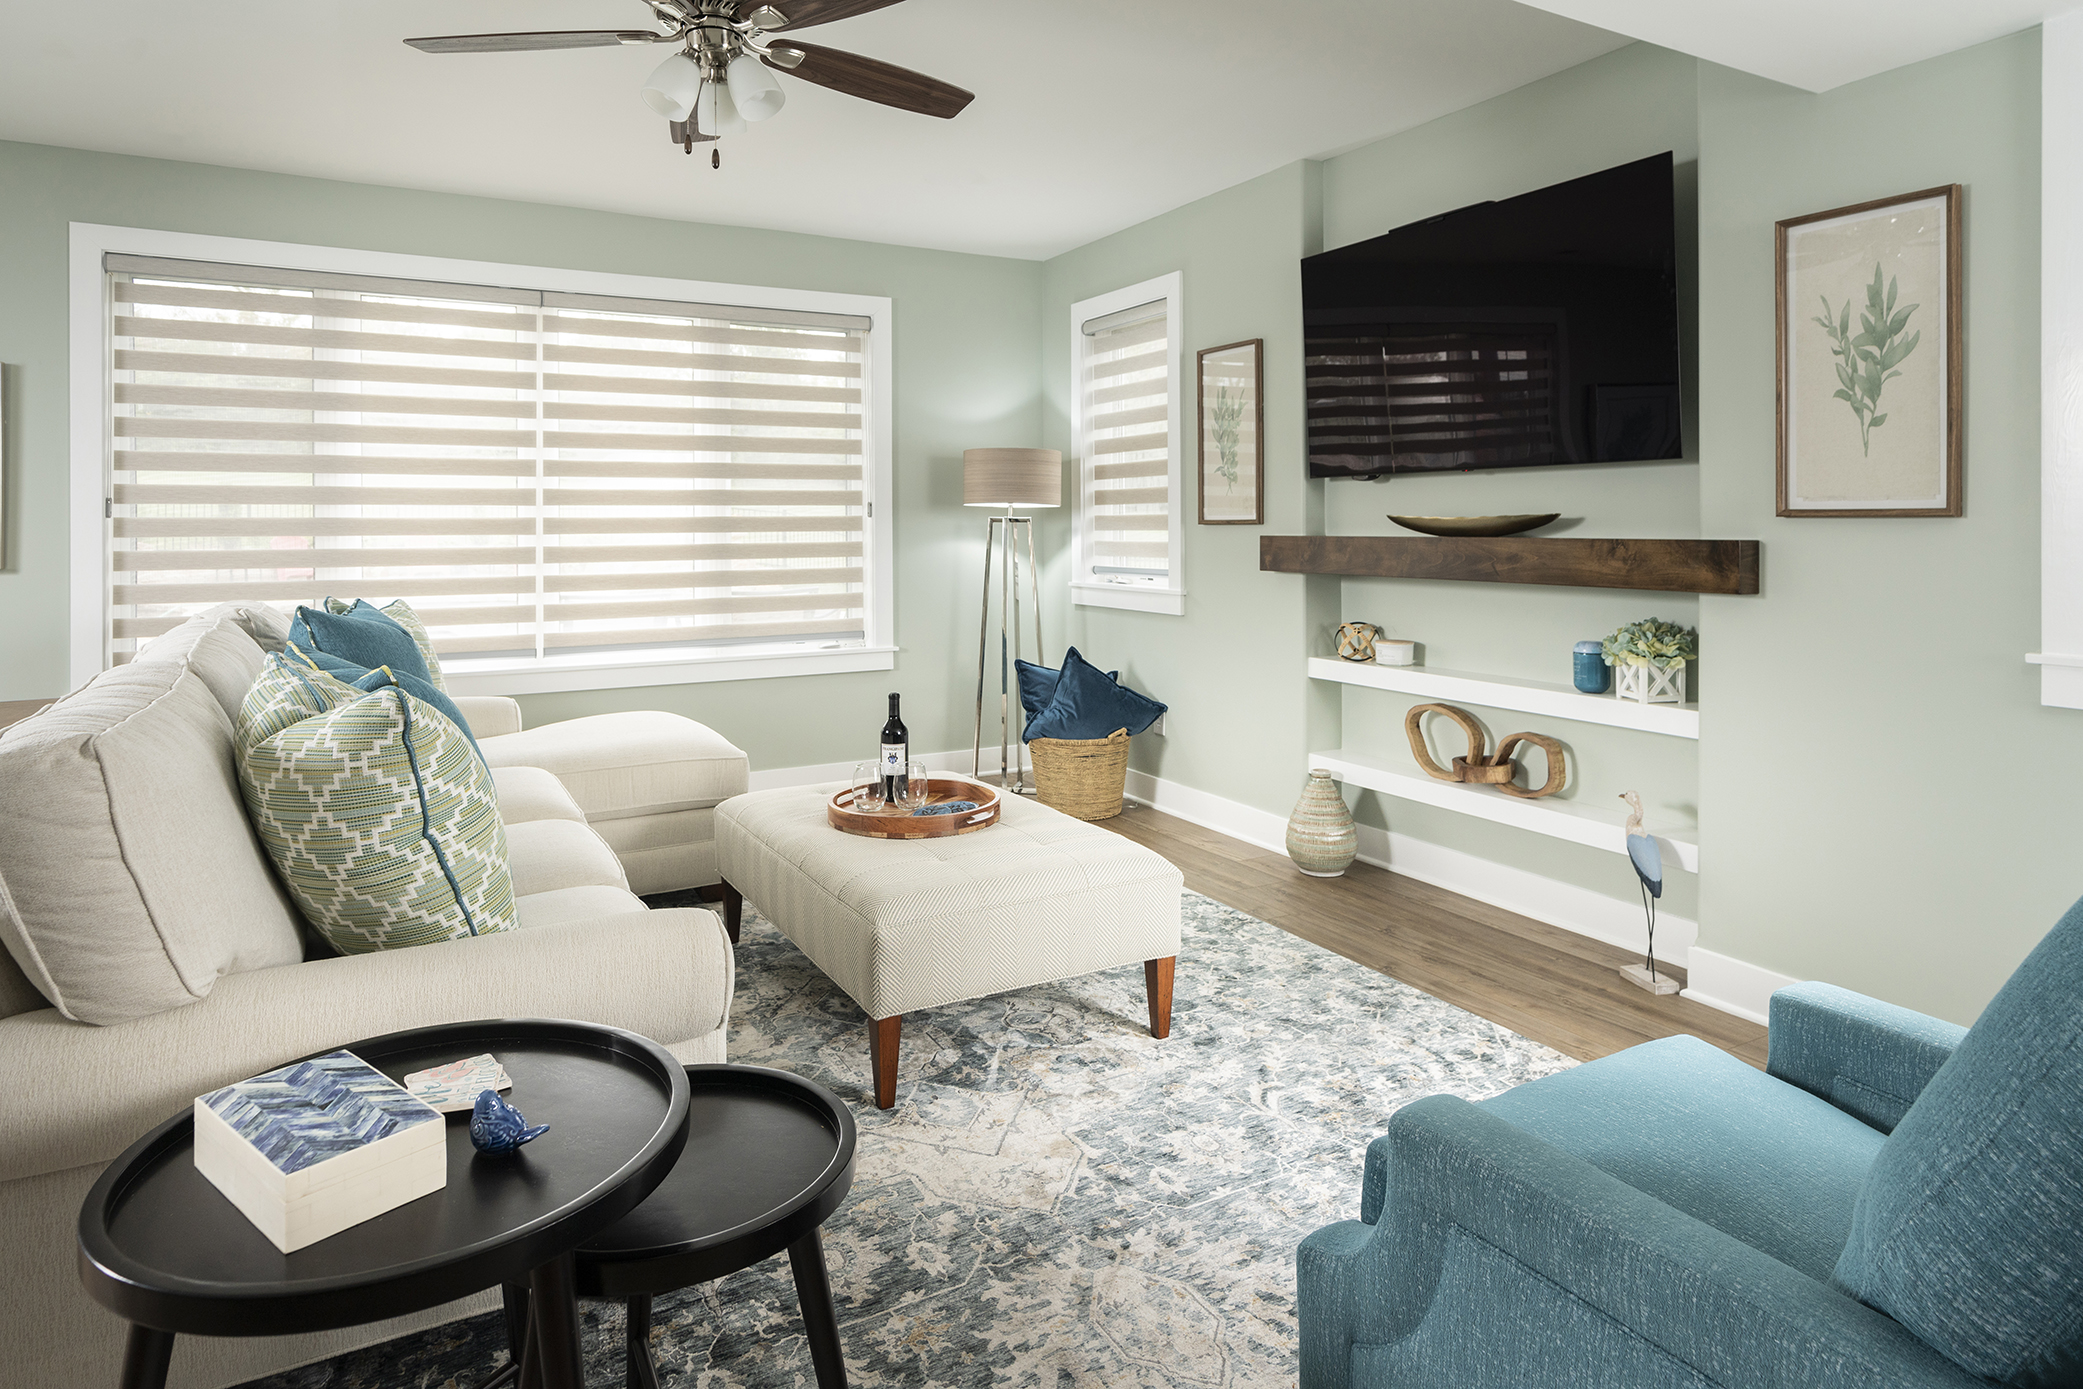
1475 525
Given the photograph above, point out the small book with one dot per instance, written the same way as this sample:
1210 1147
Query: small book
457 1085
317 1147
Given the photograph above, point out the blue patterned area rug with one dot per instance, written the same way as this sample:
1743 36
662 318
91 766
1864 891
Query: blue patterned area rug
1058 1199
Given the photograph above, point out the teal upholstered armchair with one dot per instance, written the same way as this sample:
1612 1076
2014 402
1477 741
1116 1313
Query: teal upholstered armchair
1895 1202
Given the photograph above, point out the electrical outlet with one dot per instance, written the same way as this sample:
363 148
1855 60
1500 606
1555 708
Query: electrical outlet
1158 727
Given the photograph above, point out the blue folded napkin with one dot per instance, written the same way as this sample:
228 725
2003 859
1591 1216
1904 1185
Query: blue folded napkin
950 808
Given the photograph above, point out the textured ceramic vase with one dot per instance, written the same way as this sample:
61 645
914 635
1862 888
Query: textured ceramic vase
1320 835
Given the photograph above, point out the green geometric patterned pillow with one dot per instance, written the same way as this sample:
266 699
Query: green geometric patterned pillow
287 691
380 818
401 613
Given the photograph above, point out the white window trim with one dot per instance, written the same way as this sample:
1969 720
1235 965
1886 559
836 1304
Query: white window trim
1169 601
92 445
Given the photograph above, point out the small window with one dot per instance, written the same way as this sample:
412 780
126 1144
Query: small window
1125 421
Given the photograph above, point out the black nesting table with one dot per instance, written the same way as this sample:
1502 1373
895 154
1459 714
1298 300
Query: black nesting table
162 1248
769 1157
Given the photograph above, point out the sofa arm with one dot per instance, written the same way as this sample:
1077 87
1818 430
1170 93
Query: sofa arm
1870 1059
1484 1223
489 716
77 1094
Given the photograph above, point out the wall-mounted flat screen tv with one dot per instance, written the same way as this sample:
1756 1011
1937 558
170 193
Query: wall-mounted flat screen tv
1539 330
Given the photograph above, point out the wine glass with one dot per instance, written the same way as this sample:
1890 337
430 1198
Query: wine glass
867 788
917 786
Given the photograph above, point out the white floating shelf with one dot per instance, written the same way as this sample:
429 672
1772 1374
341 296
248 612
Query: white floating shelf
1504 692
1594 826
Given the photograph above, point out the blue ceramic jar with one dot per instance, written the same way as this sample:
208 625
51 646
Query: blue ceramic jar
1593 675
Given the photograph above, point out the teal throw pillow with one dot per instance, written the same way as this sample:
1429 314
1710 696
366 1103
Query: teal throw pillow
379 817
1089 705
1966 1230
364 635
348 673
400 612
1038 685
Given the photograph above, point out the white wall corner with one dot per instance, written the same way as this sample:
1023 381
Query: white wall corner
1732 985
2060 656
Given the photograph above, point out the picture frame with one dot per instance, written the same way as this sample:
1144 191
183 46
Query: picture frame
1230 415
1869 401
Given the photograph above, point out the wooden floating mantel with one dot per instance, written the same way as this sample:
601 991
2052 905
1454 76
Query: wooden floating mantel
1673 566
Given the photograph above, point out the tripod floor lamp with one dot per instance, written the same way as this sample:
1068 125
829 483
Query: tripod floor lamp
1008 478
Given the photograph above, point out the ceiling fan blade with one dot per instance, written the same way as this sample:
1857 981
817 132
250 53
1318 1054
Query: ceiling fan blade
529 43
801 14
873 80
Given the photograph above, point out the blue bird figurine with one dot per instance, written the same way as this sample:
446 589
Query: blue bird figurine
497 1128
1649 867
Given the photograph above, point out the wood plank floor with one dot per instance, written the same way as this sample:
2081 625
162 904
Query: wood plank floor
1542 982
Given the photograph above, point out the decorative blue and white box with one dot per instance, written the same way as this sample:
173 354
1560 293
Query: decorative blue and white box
311 1149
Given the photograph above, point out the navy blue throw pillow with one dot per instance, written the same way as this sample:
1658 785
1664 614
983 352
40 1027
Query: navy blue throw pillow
348 673
1038 686
1089 705
365 636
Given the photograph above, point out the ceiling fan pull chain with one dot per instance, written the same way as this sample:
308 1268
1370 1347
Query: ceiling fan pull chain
715 159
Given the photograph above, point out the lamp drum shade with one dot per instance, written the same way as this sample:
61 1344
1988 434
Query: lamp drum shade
1012 477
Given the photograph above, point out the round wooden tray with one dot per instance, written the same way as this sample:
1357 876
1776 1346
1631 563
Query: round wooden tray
903 824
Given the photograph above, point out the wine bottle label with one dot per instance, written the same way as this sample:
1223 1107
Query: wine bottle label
893 759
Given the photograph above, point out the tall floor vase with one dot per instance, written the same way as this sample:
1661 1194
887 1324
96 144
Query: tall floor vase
1320 835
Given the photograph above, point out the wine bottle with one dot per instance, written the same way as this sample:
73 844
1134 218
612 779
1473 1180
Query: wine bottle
896 756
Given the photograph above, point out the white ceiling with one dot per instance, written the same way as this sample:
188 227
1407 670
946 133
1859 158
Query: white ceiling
1816 44
1089 116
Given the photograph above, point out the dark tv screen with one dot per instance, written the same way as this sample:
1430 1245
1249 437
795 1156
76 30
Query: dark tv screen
1539 330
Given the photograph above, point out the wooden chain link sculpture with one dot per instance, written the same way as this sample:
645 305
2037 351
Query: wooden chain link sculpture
1475 766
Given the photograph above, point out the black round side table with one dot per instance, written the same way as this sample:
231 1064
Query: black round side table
162 1248
769 1157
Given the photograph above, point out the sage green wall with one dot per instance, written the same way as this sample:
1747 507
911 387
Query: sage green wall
1245 715
964 355
1232 667
1888 805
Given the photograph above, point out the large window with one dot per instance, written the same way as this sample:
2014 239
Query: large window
567 486
1125 418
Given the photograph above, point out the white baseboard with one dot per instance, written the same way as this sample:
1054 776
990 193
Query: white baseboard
1578 909
1734 986
1719 981
957 761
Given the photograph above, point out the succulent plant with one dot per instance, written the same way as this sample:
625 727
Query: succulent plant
1651 642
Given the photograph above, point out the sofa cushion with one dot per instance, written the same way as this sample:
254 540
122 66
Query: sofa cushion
1685 1122
530 793
1967 1230
133 877
217 647
553 854
622 765
379 816
567 904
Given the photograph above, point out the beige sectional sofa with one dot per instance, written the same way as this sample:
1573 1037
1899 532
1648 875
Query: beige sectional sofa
152 956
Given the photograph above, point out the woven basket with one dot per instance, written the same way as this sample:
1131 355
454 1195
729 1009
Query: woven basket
1082 777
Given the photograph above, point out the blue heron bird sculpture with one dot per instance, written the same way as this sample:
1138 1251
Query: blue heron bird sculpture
1649 867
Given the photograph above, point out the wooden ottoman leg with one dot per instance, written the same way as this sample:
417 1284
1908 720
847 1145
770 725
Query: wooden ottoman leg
883 1034
733 910
1157 982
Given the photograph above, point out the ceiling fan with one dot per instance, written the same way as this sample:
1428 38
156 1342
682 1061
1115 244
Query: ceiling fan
718 80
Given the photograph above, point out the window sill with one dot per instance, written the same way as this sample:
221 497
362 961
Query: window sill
1169 601
538 678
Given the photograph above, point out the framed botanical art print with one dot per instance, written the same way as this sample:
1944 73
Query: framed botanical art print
1869 358
1232 410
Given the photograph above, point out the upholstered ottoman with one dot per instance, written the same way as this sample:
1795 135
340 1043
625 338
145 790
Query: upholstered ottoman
906 925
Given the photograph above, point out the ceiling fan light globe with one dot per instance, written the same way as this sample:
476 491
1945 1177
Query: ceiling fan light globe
671 89
753 89
716 113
